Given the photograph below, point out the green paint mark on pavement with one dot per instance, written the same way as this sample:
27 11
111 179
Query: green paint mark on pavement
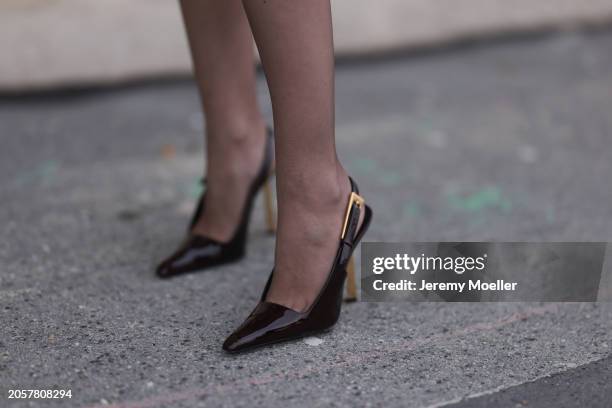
364 165
48 170
486 198
370 167
390 179
195 188
412 209
550 215
43 173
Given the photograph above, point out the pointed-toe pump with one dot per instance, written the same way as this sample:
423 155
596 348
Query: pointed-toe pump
271 323
198 252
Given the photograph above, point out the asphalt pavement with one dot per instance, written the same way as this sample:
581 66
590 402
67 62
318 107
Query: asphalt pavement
505 141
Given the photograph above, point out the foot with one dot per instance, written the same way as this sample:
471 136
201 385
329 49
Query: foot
233 161
309 228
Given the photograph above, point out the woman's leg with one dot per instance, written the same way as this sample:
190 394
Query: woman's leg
295 43
222 50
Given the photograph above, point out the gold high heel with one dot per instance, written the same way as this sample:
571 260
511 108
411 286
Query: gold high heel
269 205
351 283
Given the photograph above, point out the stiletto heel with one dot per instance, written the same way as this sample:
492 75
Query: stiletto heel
198 252
351 286
271 323
269 205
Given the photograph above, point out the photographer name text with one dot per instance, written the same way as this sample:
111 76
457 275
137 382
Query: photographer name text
412 265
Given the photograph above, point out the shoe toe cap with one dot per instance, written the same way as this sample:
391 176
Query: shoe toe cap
269 323
165 269
231 344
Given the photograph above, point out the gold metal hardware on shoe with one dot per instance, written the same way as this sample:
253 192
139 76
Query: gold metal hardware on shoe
353 199
269 207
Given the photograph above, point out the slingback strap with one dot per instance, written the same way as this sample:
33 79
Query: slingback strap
354 207
269 153
199 206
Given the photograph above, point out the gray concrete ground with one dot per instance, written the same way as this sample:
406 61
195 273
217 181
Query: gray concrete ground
507 141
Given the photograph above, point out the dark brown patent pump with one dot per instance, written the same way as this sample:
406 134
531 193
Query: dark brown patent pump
198 252
271 323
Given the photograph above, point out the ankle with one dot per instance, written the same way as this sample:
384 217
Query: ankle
236 126
235 151
323 191
237 135
312 211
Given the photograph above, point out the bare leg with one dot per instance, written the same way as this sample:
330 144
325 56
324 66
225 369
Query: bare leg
295 42
222 51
